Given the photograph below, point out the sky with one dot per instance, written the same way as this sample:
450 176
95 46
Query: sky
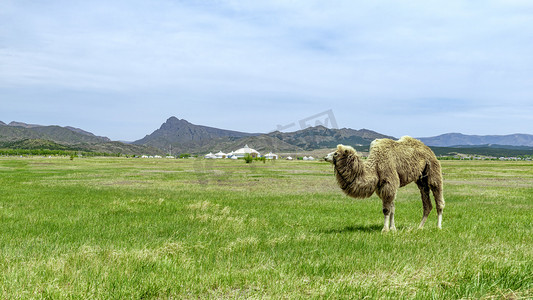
121 68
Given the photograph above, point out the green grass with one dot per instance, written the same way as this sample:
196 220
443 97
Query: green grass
134 228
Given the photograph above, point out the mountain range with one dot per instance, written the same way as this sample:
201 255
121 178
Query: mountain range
18 135
458 139
178 132
181 136
15 130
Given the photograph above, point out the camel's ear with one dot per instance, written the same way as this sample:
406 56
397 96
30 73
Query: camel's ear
340 147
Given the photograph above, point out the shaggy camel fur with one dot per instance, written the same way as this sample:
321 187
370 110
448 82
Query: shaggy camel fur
390 165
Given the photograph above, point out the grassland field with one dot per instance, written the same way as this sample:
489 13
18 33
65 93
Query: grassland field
117 228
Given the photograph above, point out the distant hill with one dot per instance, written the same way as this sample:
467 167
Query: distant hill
458 139
18 131
184 136
53 133
25 125
18 135
322 137
180 133
78 130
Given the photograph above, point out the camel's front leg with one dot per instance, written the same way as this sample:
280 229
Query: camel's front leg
388 212
387 193
386 223
392 227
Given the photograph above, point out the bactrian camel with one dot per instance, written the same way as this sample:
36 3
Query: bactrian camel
389 166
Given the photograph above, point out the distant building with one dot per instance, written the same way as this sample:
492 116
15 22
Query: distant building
271 155
210 156
220 154
245 150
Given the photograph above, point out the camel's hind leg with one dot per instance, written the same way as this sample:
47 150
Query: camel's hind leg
423 186
434 180
439 202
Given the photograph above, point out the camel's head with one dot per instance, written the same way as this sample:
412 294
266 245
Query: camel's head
341 153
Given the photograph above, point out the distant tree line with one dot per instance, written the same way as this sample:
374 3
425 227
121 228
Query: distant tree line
475 157
45 152
484 151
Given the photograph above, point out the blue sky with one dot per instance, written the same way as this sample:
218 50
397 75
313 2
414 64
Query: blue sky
121 68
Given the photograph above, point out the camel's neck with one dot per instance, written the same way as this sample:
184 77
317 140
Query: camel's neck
356 177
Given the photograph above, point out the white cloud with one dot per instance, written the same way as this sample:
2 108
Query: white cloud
295 53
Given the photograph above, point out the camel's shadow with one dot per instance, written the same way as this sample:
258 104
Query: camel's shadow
355 228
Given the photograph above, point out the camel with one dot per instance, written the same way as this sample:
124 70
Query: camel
389 166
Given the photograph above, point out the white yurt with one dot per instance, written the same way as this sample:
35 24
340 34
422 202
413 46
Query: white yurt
245 150
310 158
289 158
210 156
221 154
271 155
306 158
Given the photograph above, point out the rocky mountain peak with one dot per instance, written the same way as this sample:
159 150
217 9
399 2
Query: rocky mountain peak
175 131
174 123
